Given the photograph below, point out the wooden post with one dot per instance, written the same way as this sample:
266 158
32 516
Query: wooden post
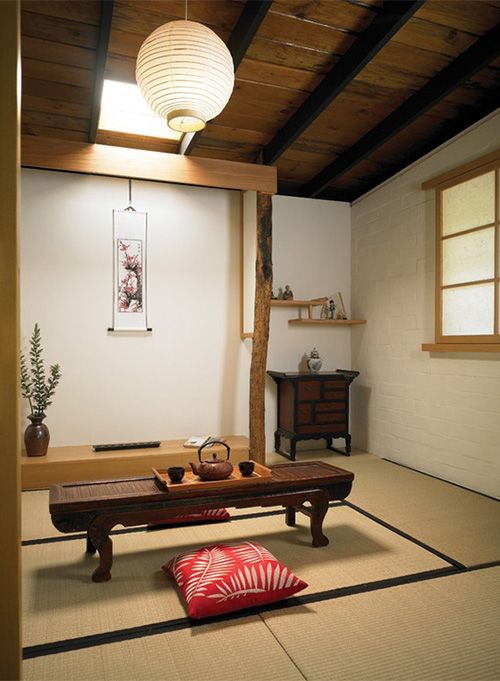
10 522
263 290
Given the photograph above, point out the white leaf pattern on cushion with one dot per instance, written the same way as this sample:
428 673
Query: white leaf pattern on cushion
271 579
252 553
222 578
210 564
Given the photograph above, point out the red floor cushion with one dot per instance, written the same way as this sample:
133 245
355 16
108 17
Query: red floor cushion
209 514
223 578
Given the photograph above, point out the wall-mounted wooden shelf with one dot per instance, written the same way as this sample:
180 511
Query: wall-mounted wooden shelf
310 304
331 322
298 303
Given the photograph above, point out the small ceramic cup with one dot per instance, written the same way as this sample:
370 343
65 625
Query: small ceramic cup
175 473
246 468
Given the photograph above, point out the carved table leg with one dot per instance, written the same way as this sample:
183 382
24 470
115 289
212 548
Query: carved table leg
319 507
290 516
102 573
91 549
293 449
99 536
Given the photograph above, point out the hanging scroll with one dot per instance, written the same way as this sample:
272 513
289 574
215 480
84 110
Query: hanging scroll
130 281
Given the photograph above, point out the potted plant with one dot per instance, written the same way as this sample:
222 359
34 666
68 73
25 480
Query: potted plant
38 390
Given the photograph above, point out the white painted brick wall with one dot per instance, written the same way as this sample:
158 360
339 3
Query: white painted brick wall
439 414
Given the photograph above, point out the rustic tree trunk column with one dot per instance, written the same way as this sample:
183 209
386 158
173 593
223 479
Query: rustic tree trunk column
263 290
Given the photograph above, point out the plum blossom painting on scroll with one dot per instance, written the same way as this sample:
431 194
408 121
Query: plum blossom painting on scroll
129 250
130 275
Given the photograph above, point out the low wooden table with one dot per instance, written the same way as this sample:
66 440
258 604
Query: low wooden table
96 507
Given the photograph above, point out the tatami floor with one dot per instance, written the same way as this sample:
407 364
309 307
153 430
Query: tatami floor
408 589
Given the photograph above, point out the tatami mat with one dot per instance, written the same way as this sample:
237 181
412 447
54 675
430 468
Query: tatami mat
62 602
455 521
241 650
445 629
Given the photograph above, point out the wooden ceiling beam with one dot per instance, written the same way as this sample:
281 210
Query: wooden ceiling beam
371 41
104 159
253 14
463 67
101 54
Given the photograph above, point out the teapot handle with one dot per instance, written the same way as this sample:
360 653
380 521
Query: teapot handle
214 442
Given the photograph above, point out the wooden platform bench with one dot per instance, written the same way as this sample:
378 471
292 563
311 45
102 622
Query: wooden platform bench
96 507
65 464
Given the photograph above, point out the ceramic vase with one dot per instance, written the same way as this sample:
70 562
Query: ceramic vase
36 436
314 362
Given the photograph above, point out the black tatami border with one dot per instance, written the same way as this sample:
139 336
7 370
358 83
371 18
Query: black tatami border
166 626
129 633
436 477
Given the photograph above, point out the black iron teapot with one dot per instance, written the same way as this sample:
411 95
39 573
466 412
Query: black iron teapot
215 468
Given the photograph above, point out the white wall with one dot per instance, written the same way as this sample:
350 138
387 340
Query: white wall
190 376
436 413
311 253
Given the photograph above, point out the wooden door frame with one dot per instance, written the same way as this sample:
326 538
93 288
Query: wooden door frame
10 494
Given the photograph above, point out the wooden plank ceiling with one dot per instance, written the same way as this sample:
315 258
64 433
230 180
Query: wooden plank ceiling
338 94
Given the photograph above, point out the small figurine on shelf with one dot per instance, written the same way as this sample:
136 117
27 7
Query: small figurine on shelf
287 293
331 309
273 297
314 362
324 311
280 294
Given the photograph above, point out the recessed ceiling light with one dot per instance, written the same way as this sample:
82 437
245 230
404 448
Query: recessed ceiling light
123 109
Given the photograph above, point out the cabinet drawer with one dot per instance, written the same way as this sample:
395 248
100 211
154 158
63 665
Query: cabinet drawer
330 406
339 384
331 417
332 428
309 390
339 395
304 413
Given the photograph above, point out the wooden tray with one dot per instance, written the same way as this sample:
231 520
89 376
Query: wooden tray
192 483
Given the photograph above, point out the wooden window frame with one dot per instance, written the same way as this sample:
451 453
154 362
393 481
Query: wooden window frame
466 343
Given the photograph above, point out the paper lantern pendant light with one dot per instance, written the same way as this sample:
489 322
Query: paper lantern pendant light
186 74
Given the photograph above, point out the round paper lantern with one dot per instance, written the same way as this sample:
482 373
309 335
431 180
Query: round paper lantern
186 74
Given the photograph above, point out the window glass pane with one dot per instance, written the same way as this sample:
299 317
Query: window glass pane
469 204
469 257
468 310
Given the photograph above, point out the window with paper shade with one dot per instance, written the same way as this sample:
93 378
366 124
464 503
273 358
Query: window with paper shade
468 282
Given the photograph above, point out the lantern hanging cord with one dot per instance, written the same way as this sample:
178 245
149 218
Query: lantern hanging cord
186 9
130 207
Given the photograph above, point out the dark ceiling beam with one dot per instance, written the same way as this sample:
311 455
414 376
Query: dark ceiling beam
101 54
394 15
447 132
253 14
463 67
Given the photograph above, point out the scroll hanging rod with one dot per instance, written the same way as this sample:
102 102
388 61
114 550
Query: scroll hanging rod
130 206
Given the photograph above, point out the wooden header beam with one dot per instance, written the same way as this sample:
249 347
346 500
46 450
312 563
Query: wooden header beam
102 159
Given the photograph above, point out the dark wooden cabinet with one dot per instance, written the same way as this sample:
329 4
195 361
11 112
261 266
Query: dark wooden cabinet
313 406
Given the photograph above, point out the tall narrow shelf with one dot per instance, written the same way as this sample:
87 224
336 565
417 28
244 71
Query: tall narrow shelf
331 322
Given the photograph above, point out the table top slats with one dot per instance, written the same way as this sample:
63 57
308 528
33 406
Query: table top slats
78 496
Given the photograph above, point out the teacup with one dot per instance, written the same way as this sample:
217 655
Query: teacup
175 473
246 468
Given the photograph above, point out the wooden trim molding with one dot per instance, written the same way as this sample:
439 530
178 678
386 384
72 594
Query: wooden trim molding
455 174
10 500
103 159
461 347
